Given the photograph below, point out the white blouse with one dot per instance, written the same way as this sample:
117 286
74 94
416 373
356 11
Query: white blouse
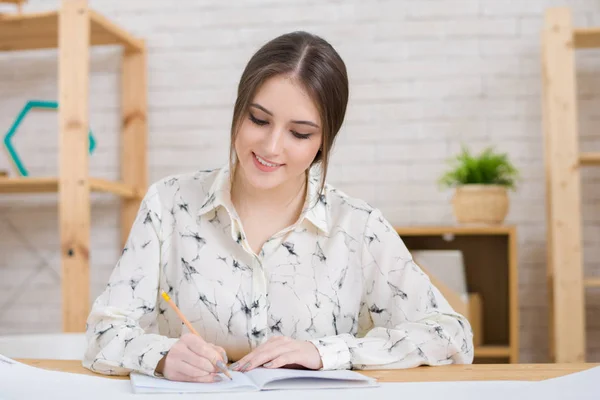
340 277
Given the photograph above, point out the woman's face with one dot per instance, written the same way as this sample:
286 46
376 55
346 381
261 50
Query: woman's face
279 136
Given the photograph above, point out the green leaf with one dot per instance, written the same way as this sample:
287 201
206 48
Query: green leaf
487 168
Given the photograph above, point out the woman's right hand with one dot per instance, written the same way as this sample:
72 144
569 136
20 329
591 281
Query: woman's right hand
192 359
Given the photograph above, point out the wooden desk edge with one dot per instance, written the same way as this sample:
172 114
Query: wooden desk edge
474 372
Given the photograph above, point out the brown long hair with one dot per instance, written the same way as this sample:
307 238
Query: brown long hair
312 62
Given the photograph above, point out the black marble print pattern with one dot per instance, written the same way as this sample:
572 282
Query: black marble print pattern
340 277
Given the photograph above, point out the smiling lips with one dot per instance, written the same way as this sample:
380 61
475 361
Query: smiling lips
264 165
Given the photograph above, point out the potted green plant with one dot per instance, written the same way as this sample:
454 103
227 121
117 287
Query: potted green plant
481 185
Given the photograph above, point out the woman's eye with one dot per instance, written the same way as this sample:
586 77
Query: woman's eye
261 122
257 121
301 135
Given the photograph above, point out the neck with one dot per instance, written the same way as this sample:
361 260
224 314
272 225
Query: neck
288 195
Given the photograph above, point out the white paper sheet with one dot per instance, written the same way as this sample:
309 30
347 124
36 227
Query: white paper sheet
584 385
20 381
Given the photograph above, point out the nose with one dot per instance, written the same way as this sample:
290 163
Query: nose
275 142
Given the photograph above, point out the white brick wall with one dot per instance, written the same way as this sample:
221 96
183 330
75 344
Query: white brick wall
425 75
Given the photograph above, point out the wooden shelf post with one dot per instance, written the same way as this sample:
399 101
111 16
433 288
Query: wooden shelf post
513 296
134 127
74 185
565 268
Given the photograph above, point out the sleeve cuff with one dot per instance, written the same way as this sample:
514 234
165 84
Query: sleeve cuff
146 361
334 352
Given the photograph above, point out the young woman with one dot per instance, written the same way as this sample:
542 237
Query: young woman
272 266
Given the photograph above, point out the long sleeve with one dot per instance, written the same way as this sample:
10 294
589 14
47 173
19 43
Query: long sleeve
121 330
406 319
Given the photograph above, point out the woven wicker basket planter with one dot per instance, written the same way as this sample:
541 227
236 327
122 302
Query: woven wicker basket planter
480 204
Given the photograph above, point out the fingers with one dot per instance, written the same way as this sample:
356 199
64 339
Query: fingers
193 373
192 359
193 341
264 353
221 351
242 363
197 361
178 369
280 352
204 349
282 360
267 356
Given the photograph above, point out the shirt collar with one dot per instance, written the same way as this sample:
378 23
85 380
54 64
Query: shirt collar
315 210
219 194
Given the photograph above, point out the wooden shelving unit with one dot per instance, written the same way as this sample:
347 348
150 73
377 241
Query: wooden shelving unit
589 158
585 38
72 30
40 31
50 185
566 280
492 352
17 3
490 257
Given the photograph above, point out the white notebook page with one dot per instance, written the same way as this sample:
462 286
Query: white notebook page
148 384
293 378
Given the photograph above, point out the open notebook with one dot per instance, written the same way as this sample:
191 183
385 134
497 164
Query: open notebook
256 380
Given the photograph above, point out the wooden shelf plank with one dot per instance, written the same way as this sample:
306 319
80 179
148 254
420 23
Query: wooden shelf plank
28 185
28 31
492 351
454 230
50 185
40 31
586 38
591 282
119 35
591 158
18 3
120 189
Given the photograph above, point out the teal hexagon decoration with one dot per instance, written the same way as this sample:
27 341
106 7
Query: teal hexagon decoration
32 104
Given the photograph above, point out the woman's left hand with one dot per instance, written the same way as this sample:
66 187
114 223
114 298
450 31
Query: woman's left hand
280 351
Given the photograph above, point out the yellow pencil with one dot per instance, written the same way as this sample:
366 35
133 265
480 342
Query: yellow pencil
187 323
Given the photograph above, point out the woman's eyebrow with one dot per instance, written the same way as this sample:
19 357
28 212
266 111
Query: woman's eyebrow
261 108
255 105
306 123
